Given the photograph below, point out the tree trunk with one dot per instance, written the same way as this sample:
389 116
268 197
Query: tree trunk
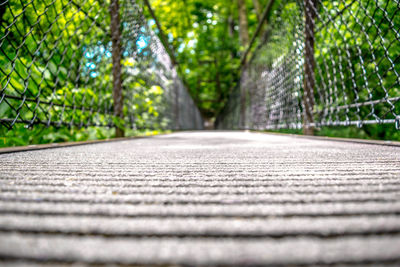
309 66
243 25
258 10
230 22
259 13
116 66
218 83
244 41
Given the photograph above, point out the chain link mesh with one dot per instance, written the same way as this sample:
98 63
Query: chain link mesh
346 53
57 67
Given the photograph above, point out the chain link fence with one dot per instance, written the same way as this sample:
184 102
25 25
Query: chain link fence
82 63
321 63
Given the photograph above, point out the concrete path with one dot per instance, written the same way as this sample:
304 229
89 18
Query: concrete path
202 198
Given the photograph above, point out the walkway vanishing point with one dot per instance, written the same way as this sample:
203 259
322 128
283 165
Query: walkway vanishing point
202 199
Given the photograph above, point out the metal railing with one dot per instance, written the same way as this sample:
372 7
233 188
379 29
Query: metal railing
82 63
321 63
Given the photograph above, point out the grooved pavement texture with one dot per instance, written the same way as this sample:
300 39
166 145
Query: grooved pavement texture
202 198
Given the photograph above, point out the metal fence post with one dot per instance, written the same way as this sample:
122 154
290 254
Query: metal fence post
116 64
243 91
176 102
310 12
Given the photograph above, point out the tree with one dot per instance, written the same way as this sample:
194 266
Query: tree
243 24
204 35
257 8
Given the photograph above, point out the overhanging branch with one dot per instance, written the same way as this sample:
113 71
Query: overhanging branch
264 18
163 37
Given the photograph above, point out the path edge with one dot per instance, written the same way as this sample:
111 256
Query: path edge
16 149
335 139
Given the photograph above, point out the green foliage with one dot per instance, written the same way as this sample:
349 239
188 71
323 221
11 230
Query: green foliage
362 43
45 59
56 70
64 47
357 69
21 136
372 132
204 35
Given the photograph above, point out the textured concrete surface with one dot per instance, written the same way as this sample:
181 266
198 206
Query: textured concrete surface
202 198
